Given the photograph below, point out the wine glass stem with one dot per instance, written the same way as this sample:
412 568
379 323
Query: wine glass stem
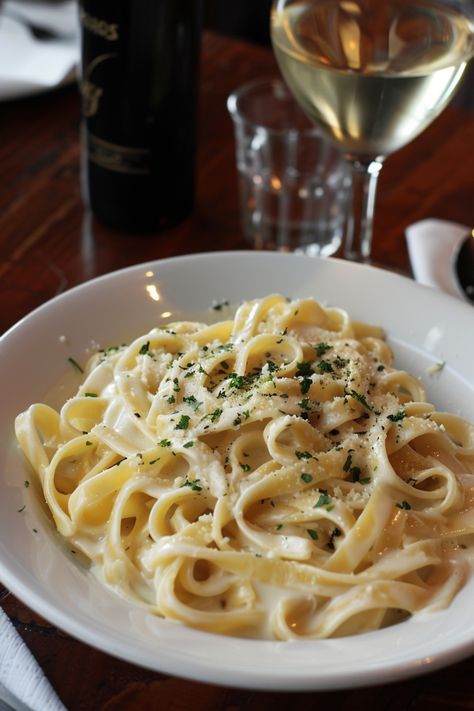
358 240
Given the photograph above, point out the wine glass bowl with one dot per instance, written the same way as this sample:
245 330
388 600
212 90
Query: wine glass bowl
372 75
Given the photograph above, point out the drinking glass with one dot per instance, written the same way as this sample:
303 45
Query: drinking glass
372 74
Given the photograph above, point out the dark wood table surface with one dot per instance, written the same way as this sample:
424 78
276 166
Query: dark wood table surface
49 244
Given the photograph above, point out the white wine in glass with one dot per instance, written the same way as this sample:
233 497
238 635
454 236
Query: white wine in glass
372 74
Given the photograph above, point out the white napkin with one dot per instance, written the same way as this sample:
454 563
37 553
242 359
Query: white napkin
29 65
432 247
22 683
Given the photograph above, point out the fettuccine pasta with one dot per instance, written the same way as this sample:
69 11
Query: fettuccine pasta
271 475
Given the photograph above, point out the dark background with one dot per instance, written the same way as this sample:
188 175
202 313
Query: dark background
247 19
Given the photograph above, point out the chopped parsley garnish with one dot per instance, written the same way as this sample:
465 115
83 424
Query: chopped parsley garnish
334 534
183 423
304 369
145 348
245 467
218 305
325 366
164 443
404 505
322 348
215 414
365 480
90 395
189 444
76 364
323 500
171 399
305 385
397 416
176 387
237 381
360 398
312 534
194 485
303 455
26 483
307 478
88 443
279 527
348 463
272 367
192 401
355 471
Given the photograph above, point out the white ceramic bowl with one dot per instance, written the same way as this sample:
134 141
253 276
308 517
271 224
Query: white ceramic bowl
423 326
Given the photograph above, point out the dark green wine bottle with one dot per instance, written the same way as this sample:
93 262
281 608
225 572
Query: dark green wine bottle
139 83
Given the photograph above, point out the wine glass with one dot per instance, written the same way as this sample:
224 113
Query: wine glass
372 74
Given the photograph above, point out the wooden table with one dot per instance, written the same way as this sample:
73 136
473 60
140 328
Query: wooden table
48 244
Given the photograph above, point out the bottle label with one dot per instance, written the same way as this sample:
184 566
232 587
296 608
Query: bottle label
120 159
106 30
91 92
102 86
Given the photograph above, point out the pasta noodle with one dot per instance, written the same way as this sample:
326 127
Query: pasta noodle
271 475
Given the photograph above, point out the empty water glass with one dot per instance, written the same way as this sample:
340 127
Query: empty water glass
294 185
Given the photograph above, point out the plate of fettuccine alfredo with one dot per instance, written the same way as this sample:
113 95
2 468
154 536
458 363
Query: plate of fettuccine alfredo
251 469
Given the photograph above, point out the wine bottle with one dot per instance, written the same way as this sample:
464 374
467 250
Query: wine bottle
139 79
